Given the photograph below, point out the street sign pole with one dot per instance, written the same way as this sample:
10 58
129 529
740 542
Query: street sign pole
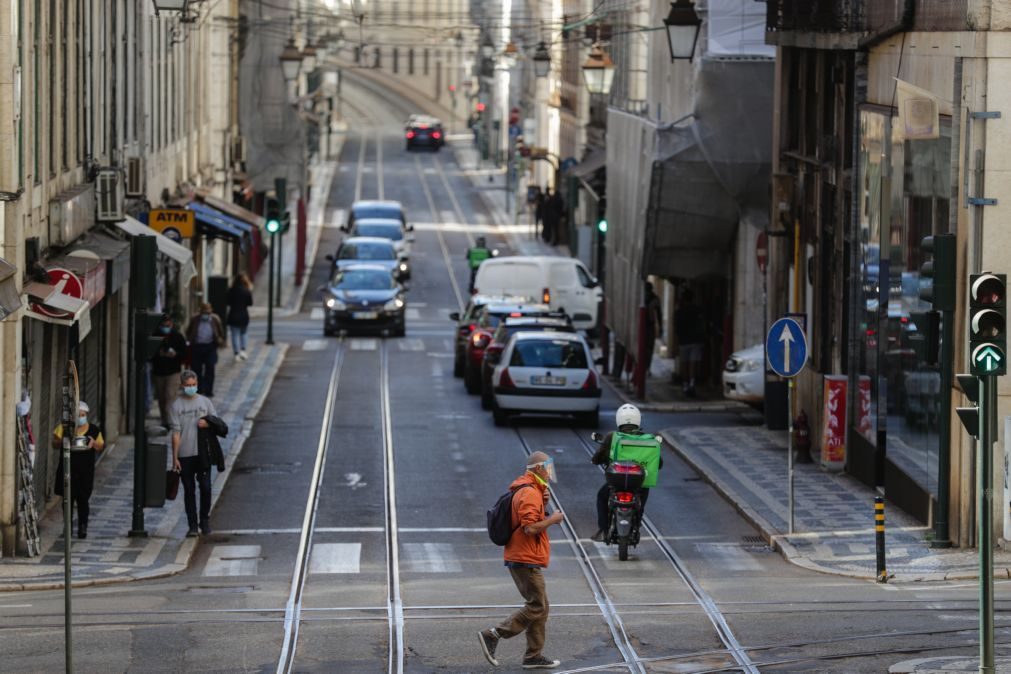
789 449
270 292
984 521
786 354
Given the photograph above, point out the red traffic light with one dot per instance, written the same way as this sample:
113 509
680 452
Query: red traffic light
452 87
480 107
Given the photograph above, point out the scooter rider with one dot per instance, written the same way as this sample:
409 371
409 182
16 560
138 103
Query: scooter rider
629 421
477 254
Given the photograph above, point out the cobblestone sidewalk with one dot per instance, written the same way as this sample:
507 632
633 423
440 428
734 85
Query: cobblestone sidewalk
108 554
834 513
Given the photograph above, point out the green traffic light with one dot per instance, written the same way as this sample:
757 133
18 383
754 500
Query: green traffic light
273 226
602 226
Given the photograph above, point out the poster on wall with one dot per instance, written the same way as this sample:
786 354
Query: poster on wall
833 420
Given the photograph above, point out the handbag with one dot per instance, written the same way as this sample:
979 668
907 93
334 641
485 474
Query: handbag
171 485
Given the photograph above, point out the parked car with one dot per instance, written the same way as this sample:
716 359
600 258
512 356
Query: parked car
563 283
487 319
554 322
385 229
466 323
424 131
546 373
744 375
373 250
363 297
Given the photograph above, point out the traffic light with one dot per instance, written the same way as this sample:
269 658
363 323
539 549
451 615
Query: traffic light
988 324
146 324
479 108
273 217
937 275
285 222
602 225
969 416
602 215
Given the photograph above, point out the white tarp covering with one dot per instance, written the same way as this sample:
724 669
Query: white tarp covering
737 28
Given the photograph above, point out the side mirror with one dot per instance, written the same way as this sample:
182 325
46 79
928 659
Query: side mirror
321 289
454 316
600 361
596 437
410 228
330 258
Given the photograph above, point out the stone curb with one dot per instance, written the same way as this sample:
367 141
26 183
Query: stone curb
189 545
713 406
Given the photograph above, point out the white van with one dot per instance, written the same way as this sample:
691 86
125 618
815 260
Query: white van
563 283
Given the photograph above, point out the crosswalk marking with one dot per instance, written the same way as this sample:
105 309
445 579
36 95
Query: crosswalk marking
431 558
412 314
314 345
335 558
316 314
412 344
233 560
364 344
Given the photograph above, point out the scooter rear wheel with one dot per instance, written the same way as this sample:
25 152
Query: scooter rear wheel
623 549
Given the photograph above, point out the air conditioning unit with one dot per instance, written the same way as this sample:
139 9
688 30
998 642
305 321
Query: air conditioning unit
135 176
109 195
238 150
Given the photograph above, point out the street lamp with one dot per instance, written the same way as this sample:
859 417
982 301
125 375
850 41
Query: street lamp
291 61
309 57
487 47
169 6
542 61
598 71
683 25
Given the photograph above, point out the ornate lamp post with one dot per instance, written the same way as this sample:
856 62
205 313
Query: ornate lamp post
598 71
683 25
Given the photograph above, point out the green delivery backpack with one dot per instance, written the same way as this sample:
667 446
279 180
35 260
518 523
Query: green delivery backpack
643 449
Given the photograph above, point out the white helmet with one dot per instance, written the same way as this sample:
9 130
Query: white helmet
628 415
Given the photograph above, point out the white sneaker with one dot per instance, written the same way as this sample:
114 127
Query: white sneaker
243 356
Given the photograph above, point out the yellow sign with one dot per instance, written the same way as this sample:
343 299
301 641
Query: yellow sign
175 223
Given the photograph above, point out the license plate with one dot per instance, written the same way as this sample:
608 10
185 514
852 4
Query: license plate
364 315
548 381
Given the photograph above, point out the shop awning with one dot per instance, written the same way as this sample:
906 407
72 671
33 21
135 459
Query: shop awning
592 162
10 300
166 247
47 303
98 246
233 210
216 223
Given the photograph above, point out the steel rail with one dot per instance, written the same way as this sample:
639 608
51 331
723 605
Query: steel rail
293 608
395 604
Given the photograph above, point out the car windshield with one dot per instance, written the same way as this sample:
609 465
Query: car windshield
366 251
380 230
553 353
378 212
363 279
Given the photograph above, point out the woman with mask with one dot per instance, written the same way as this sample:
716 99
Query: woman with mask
82 464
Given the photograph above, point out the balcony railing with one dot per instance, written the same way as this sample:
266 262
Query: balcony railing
818 16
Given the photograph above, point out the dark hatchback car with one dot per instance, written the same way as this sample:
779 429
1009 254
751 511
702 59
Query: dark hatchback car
422 131
381 252
363 297
555 322
376 210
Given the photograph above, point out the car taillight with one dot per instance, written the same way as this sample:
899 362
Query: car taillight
436 135
546 296
505 381
480 340
410 134
591 381
467 329
624 497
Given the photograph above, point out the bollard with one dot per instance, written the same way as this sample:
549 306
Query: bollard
879 536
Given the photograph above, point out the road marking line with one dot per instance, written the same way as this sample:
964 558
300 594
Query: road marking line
412 344
364 344
412 314
335 558
314 345
233 560
316 314
361 165
255 532
442 530
431 558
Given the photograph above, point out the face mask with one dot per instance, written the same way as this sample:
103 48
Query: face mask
549 469
190 390
205 317
165 329
82 421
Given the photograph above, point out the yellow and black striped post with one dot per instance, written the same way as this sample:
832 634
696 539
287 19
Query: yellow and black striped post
879 537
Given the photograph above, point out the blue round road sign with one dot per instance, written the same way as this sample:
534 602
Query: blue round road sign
786 347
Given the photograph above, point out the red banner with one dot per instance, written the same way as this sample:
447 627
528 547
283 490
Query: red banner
833 435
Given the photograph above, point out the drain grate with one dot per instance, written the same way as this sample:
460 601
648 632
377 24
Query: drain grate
753 540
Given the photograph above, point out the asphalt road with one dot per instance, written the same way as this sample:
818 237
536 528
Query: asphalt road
351 538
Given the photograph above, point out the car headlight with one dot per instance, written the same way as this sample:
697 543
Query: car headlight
335 304
403 266
394 305
749 365
731 365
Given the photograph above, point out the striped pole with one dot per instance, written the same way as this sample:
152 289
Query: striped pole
879 536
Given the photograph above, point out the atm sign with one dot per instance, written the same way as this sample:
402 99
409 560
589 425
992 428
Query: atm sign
176 223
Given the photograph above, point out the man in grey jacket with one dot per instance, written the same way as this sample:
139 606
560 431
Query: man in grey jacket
186 420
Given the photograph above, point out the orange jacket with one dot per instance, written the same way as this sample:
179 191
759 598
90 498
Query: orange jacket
528 508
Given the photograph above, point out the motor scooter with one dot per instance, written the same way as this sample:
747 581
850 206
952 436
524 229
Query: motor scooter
624 505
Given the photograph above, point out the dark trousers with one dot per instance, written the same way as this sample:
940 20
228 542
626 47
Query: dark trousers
602 513
189 474
205 357
533 617
82 482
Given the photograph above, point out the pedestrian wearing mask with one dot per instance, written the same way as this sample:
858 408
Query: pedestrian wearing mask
206 335
188 412
166 364
240 298
82 465
526 555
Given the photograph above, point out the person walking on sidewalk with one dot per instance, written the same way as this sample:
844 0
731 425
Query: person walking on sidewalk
554 210
690 328
188 412
82 465
240 298
654 326
526 555
206 335
539 213
166 364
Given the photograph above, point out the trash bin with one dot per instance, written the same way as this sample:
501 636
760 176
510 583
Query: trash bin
777 413
157 460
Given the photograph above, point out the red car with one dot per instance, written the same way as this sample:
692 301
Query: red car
488 318
555 322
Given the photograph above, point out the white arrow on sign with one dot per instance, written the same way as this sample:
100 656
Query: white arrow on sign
786 337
